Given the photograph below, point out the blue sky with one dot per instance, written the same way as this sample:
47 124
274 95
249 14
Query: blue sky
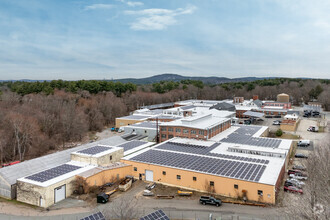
105 39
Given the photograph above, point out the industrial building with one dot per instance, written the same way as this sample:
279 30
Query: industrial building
49 179
200 150
198 127
235 163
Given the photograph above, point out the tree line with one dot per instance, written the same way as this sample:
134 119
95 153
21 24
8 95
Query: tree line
35 123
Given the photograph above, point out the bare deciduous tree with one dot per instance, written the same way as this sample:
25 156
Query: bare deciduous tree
123 208
314 203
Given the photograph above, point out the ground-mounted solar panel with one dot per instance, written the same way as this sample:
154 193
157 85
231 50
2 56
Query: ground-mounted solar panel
53 173
157 215
94 150
96 216
132 144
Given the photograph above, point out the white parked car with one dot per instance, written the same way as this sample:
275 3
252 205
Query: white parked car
296 182
298 177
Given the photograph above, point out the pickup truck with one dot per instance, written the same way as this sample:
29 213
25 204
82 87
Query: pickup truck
209 200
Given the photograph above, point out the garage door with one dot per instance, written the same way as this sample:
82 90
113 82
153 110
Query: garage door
59 193
150 175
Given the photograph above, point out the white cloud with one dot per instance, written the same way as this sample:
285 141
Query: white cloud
133 4
157 18
98 6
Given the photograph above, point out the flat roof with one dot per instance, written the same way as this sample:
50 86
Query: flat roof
54 175
216 157
136 117
203 121
97 151
254 114
144 125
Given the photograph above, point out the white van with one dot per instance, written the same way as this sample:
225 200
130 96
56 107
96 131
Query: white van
304 143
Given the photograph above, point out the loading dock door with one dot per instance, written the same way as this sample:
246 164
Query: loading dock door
59 193
149 175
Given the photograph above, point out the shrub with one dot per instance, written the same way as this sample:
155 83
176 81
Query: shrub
279 133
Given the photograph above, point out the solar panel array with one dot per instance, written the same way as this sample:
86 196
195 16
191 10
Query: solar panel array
132 144
96 216
145 124
243 135
214 166
94 150
203 150
157 215
53 173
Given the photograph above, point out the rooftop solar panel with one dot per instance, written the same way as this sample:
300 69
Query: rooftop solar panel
132 144
157 215
96 216
52 173
199 163
94 150
198 150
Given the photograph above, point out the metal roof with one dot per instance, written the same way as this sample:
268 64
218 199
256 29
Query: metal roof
135 117
11 173
253 114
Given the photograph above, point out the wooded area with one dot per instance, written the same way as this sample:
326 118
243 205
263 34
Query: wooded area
37 117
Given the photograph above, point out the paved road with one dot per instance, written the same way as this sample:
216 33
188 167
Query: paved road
174 208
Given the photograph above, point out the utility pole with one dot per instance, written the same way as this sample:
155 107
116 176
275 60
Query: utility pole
157 131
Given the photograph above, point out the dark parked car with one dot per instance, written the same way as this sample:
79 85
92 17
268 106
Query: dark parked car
293 189
300 156
210 200
102 198
298 167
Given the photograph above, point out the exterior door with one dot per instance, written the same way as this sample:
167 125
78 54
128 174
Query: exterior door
149 175
59 193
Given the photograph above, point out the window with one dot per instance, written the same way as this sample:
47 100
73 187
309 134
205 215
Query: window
201 132
178 130
135 168
260 192
170 136
164 173
178 177
185 131
235 186
163 129
163 135
170 129
110 157
211 183
194 178
193 132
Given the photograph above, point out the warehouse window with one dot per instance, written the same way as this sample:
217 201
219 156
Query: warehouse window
235 186
170 136
163 135
135 168
185 131
163 129
211 183
178 130
170 129
260 192
164 173
193 132
194 178
178 177
201 132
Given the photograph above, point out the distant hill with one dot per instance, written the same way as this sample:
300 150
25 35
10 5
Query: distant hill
177 78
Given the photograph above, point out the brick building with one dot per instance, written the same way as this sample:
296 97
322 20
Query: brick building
197 127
